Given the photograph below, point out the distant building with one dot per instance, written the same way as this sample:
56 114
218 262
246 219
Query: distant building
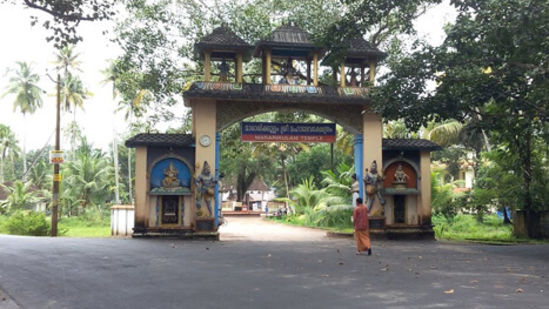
256 198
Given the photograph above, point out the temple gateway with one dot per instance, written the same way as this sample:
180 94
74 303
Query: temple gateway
176 188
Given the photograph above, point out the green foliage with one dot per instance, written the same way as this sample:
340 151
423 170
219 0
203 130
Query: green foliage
339 182
23 84
313 162
27 223
467 227
491 70
443 199
19 197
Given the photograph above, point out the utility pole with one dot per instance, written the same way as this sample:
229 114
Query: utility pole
56 175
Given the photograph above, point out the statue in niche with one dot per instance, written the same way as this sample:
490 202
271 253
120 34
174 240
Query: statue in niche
170 177
205 190
374 187
400 177
354 81
289 74
355 189
223 71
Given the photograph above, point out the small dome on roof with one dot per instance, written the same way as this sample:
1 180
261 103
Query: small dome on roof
223 43
287 41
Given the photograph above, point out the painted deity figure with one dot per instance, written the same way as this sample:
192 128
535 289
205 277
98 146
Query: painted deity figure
289 74
400 175
223 71
170 180
205 188
355 189
374 187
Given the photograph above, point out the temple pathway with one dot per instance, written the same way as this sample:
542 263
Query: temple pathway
257 229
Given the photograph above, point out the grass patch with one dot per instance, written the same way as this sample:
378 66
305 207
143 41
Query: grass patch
82 227
467 228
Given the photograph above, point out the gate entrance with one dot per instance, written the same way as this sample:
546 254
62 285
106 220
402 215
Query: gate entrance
289 81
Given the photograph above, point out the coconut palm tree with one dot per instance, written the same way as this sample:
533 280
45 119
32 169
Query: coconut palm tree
28 96
67 60
19 196
8 149
111 76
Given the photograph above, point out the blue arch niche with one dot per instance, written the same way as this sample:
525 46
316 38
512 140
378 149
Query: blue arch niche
157 173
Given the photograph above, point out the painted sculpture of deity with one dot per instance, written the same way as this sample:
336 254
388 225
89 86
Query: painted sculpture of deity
400 175
355 189
374 187
170 180
205 188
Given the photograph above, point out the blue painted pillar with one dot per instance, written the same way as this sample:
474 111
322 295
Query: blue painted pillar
217 155
359 170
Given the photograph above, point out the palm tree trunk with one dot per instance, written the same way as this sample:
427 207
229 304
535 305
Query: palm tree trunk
115 151
24 150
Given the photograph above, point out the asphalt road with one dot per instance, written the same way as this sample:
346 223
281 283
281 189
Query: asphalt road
265 265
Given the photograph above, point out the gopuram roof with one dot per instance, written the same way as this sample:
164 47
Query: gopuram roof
409 144
160 140
287 38
222 38
359 48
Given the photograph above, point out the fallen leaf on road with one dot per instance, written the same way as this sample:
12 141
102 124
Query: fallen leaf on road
410 270
337 250
320 261
340 263
474 281
420 257
523 279
269 255
207 248
519 290
384 269
433 267
451 291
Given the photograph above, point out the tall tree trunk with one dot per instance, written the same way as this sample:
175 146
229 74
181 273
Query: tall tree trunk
283 163
115 151
24 150
527 175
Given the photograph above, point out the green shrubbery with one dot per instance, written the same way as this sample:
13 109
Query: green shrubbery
29 223
467 227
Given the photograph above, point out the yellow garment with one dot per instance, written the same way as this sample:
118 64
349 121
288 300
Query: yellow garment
362 240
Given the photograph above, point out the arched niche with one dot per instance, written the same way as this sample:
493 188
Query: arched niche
411 181
159 168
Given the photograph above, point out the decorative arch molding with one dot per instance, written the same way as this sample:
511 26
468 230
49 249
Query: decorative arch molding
347 116
410 162
165 157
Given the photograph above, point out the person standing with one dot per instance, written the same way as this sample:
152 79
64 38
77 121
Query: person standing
362 228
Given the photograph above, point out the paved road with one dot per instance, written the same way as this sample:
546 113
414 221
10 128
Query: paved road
247 271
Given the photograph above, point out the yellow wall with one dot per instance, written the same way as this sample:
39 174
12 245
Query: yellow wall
141 187
425 186
204 124
372 138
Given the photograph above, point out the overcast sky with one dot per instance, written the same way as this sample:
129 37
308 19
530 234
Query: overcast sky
21 42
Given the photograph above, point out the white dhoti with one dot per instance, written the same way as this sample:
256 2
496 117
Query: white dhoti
355 196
